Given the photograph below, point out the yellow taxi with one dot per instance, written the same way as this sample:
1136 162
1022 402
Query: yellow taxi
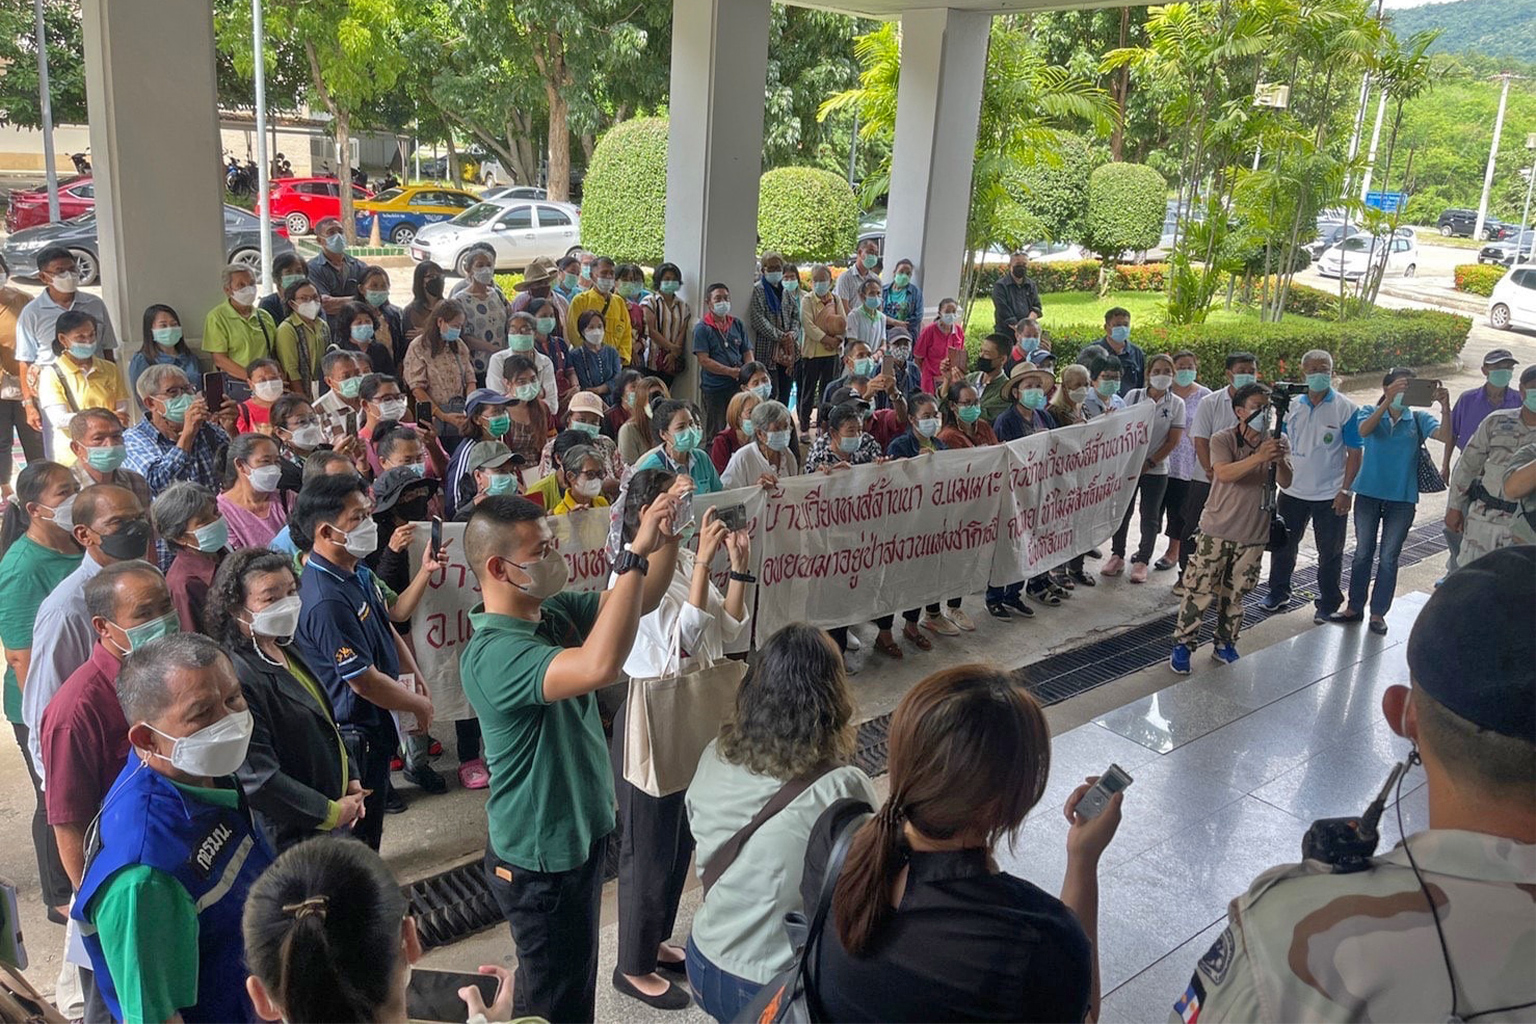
405 210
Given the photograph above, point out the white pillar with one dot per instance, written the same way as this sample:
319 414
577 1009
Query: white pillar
943 64
149 77
715 147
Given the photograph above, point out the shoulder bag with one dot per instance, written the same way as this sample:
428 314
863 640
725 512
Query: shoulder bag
672 718
786 795
1430 480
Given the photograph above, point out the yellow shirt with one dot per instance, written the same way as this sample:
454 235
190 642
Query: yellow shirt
570 504
546 489
616 326
95 384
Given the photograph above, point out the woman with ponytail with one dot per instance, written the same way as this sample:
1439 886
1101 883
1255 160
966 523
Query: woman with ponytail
327 939
38 552
924 926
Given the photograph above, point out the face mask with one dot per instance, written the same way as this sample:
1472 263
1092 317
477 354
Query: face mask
629 399
1078 395
377 298
969 413
433 287
1500 378
106 458
1108 388
983 364
773 276
1529 400
289 280
451 333
484 275
212 537
176 408
590 429
589 488
392 408
308 436
821 288
499 425
166 337
849 445
1119 334
1397 403
670 287
594 337
129 541
1319 381
1184 378
364 540
268 390
791 285
687 439
520 342
308 310
570 281
526 392
863 367
546 577
62 513
350 387
722 308
545 325
1018 271
419 468
1242 380
901 280
1256 421
336 243
362 332
1034 398
213 752
244 296
628 289
66 282
778 440
949 319
1162 381
869 260
928 426
871 302
264 478
154 629
1028 344
763 391
83 352
748 428
604 284
499 483
279 620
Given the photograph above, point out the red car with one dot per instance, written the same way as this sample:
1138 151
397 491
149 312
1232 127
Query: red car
29 207
301 203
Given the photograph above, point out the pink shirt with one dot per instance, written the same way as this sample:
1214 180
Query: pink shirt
250 531
933 344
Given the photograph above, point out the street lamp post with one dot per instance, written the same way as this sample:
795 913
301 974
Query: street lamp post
45 104
1493 155
1530 180
263 167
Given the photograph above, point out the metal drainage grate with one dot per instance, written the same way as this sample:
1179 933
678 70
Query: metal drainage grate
453 905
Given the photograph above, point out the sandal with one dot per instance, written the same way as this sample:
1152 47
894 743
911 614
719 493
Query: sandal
915 635
890 647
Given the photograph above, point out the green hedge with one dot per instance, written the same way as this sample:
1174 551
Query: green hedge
1080 276
624 196
1127 204
807 215
508 283
1478 278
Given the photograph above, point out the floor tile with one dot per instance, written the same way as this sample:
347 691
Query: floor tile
1150 995
1143 917
1170 718
1084 751
1339 781
1038 852
1164 800
1265 676
1221 855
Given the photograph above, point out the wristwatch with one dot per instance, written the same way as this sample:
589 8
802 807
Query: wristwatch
628 560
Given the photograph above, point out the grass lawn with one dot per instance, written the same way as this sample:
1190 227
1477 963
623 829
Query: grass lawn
1063 308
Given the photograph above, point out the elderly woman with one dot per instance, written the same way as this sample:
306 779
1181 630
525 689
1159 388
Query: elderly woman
774 315
668 324
582 471
250 502
737 431
186 516
295 774
825 321
438 368
770 455
485 307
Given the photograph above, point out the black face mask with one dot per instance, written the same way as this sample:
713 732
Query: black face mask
1018 272
983 364
130 541
434 287
413 511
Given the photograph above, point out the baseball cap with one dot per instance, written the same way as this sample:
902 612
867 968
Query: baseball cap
481 397
1499 355
1527 375
1472 648
489 455
847 394
393 482
586 401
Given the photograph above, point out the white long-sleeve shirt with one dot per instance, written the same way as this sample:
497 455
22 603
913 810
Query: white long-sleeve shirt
495 375
705 634
62 639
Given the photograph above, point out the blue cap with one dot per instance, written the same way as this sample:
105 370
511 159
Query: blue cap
484 396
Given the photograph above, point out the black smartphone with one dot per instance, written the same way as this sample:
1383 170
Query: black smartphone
733 516
351 423
1420 391
424 413
437 539
434 995
213 390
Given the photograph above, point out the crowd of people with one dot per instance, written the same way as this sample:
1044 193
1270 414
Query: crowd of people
210 668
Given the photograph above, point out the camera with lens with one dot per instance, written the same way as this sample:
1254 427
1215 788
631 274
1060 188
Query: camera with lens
1282 391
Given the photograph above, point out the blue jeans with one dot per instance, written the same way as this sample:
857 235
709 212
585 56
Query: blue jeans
1392 519
722 995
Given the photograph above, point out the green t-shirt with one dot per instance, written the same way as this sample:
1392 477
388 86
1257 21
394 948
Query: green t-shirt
153 966
551 783
28 573
242 338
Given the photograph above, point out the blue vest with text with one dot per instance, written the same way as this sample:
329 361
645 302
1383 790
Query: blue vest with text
215 852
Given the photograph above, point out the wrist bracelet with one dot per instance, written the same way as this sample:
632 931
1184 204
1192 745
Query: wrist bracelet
742 577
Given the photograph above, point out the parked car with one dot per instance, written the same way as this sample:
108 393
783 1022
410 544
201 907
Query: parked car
1351 257
242 242
1508 253
304 202
1459 222
402 212
29 207
1513 302
1056 252
513 231
1330 233
514 192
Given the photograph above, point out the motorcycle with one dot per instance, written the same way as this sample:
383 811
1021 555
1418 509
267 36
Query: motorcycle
82 162
240 179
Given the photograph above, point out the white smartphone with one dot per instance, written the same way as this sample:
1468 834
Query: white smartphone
1096 799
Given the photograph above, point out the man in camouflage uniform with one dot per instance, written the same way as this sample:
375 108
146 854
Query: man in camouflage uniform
1305 943
1477 506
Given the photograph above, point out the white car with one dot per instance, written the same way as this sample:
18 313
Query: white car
1350 258
1513 302
514 231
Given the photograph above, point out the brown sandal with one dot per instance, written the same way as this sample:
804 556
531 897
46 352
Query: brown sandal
890 647
915 635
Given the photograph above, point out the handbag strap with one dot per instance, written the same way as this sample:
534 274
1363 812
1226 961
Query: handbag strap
829 876
731 849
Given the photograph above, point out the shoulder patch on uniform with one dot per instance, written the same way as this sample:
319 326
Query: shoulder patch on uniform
344 655
1189 1004
1218 959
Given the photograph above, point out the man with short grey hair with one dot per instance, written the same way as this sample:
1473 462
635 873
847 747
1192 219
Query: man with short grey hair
237 332
174 441
176 850
96 440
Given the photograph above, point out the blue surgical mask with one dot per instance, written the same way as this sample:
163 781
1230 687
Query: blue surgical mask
1184 378
336 242
969 413
871 302
748 428
1028 344
166 337
778 440
722 308
106 458
928 426
500 483
1242 380
212 537
1032 398
863 367
1500 378
1108 388
869 260
154 629
849 445
419 468
377 298
821 288
362 332
1529 400
687 439
590 429
1319 381
83 352
520 342
452 333
1120 334
773 276
763 391
176 408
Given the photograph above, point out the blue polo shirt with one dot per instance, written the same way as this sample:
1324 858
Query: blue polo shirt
728 347
1389 469
343 632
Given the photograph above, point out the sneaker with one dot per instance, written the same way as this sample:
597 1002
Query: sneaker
940 625
1179 661
1059 590
1113 567
1224 653
997 611
854 643
1018 606
427 779
434 747
1275 602
962 620
394 803
1139 572
473 774
1319 618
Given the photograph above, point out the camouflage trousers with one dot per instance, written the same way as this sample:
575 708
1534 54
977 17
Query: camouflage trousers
1221 573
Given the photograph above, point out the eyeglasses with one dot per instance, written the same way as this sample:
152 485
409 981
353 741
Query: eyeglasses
175 391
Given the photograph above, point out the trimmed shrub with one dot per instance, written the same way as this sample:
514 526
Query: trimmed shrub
1478 278
624 196
1056 196
1127 204
1080 276
508 283
808 215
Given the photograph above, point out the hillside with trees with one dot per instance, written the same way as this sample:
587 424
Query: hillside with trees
1492 28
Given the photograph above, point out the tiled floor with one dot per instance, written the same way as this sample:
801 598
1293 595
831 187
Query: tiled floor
1230 767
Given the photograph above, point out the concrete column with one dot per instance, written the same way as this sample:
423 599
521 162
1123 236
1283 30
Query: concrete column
715 147
149 78
943 64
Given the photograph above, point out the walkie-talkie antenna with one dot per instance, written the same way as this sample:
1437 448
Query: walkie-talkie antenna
1373 813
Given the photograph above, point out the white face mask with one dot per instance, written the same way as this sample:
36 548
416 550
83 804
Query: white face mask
484 275
244 296
308 436
1161 382
364 540
279 620
264 478
66 282
589 488
392 408
268 390
1078 395
63 513
308 310
215 751
594 336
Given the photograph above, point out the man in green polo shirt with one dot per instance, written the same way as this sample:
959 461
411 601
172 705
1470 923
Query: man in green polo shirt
237 332
531 671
